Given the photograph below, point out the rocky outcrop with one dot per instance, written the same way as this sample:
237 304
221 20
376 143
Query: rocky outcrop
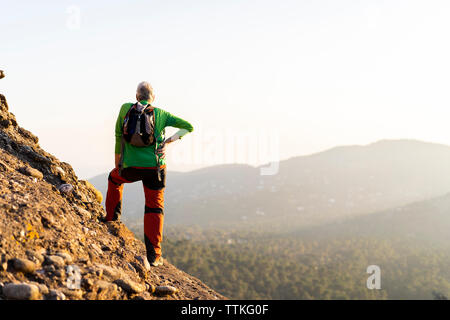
53 244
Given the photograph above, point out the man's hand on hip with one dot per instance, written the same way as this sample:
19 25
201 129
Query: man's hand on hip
161 151
162 147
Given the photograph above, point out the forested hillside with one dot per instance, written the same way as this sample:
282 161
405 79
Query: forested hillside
296 268
409 243
311 231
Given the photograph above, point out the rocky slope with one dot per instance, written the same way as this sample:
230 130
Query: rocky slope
52 242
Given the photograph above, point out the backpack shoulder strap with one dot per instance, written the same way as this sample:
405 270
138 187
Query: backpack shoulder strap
129 110
122 140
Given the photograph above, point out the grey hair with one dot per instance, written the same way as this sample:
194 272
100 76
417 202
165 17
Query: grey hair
144 91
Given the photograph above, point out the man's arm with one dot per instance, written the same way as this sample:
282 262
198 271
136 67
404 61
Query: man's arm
176 122
118 134
173 121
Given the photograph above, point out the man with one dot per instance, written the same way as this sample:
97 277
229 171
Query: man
146 164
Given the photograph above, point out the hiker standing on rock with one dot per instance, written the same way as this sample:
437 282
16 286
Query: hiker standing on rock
139 156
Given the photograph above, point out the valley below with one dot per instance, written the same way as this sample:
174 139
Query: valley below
312 230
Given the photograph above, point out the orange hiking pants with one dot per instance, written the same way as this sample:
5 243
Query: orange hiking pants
154 203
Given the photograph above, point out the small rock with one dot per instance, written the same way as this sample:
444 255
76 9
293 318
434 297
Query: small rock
5 123
96 248
4 166
72 294
3 263
143 260
55 260
47 221
139 268
98 194
84 260
56 295
65 188
21 291
24 265
83 197
42 287
61 173
130 266
49 268
142 296
102 285
106 290
149 287
96 272
41 251
165 290
31 172
91 296
109 271
83 212
59 273
35 256
87 284
66 256
130 286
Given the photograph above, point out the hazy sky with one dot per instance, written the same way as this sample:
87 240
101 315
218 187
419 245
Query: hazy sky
314 74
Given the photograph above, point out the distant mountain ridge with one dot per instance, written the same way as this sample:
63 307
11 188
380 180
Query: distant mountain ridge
308 190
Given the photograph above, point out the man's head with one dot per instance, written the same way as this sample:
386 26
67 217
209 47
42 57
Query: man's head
145 92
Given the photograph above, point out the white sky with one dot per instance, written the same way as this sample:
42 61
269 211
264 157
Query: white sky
318 73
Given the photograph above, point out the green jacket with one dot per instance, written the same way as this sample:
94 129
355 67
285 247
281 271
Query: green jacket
145 156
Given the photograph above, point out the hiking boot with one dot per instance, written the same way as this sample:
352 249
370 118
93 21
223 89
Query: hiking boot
157 262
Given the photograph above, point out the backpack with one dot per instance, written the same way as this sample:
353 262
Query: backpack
138 130
138 127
